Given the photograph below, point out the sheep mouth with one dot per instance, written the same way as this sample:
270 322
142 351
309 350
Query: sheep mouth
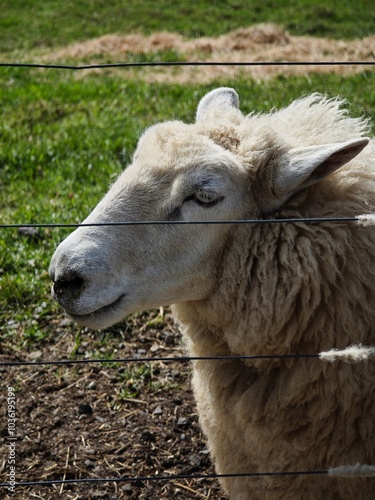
105 310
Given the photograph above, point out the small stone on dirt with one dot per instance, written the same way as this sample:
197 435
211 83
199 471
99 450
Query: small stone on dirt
182 422
158 410
35 354
155 347
89 451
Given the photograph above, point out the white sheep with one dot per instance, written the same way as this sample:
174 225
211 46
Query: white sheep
260 289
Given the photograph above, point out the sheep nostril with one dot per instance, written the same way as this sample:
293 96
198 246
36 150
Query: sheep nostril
69 288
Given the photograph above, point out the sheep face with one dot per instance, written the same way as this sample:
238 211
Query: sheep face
103 273
223 167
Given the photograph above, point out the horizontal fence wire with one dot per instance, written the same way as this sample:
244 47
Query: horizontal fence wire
183 222
351 354
181 359
341 471
185 63
172 477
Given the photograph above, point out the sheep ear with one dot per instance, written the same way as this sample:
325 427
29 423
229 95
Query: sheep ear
305 166
218 101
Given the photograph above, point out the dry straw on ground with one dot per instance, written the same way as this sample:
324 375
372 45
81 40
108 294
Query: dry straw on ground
265 42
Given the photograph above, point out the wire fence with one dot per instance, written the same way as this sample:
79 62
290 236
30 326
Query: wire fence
362 353
192 222
346 471
351 354
185 63
171 477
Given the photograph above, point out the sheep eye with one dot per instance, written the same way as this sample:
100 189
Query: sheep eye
205 198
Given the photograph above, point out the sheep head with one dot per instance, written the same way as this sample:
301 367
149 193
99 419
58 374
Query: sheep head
223 167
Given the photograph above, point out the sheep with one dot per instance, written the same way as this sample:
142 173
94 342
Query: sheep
262 289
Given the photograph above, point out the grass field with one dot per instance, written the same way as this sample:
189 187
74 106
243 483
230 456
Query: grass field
25 25
63 139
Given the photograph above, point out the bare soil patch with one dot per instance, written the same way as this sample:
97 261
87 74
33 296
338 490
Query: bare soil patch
265 42
95 421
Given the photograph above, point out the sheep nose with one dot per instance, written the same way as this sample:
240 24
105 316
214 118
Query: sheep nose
68 288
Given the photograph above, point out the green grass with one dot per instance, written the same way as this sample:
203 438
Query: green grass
30 24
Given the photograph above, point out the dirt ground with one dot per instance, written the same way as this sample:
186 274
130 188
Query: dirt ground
105 421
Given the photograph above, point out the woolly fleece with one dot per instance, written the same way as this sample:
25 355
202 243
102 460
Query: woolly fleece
290 288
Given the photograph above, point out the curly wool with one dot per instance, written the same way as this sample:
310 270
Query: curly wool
290 288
